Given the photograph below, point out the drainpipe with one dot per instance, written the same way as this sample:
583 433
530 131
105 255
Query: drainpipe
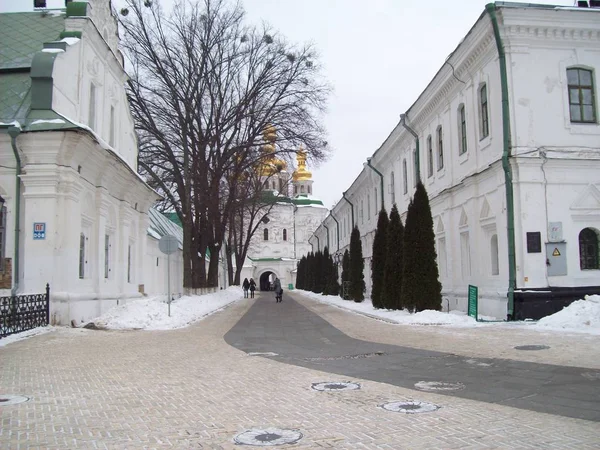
411 131
510 210
327 228
13 133
294 215
351 206
318 242
338 229
381 177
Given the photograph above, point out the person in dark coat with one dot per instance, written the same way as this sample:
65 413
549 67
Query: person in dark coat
252 287
278 290
245 287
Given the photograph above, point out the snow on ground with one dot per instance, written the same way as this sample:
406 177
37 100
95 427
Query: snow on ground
582 316
152 313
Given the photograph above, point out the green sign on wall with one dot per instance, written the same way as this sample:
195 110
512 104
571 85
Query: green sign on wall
473 301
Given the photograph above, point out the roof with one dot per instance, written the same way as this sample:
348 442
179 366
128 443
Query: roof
160 225
306 200
23 34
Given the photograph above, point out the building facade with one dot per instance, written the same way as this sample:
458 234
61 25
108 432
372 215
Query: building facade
506 140
75 212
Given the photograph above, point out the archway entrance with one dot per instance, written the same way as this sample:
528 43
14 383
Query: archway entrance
266 281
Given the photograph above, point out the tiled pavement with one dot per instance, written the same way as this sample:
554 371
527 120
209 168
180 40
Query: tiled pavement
189 389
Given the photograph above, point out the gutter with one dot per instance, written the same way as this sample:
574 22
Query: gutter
13 132
510 209
381 176
318 243
417 156
338 229
351 206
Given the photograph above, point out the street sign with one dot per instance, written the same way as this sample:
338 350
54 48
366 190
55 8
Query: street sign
39 230
472 308
168 244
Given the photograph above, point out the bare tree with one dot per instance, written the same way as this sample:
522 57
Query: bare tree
203 87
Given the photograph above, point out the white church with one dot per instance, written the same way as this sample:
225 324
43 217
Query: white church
282 237
75 212
506 140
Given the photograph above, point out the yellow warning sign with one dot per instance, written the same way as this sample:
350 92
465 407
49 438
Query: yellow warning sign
555 252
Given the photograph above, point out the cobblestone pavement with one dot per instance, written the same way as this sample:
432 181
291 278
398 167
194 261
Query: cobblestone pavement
188 389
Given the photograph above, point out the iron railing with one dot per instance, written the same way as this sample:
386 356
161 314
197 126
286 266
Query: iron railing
24 312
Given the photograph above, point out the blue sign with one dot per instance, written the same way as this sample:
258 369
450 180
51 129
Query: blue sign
39 230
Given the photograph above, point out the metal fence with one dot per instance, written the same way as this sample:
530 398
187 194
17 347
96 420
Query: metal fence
24 312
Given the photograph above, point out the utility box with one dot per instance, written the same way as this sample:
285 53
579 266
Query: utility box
556 258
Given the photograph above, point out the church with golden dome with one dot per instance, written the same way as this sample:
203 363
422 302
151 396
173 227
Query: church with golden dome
282 237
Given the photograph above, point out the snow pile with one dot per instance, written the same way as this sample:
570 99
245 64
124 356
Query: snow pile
152 313
580 316
427 317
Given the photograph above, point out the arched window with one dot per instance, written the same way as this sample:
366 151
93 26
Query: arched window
266 234
284 234
494 254
588 249
582 106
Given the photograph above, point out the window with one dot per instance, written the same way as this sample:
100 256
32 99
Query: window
295 190
462 130
588 249
284 234
484 121
302 188
362 210
309 189
266 234
393 188
129 263
375 201
416 167
92 110
582 106
2 236
440 144
106 255
111 135
82 261
368 206
429 157
494 254
405 176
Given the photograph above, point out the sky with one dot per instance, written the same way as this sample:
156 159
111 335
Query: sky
378 55
581 316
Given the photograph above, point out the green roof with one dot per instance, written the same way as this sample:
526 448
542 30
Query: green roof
23 34
15 96
303 200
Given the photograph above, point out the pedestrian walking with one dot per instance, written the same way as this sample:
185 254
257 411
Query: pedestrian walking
278 290
252 287
245 287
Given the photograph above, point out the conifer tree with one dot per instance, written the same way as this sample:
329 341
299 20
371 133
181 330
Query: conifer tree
357 267
325 271
300 273
333 284
421 288
318 273
378 259
393 276
310 265
345 272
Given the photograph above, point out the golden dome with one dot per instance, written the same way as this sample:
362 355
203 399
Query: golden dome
301 174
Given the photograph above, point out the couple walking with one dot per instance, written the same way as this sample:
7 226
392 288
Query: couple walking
249 285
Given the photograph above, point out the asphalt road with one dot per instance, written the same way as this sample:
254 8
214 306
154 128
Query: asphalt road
302 338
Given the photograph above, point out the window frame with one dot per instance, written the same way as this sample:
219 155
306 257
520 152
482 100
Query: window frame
580 88
584 259
405 176
440 144
393 187
266 234
284 234
429 157
484 115
462 130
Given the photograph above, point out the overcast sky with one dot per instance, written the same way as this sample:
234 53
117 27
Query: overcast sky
378 55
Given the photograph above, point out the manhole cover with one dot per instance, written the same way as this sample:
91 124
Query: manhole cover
335 386
438 386
268 437
262 354
411 407
532 347
12 399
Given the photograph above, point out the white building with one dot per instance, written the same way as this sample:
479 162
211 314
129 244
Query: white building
76 213
506 139
282 237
